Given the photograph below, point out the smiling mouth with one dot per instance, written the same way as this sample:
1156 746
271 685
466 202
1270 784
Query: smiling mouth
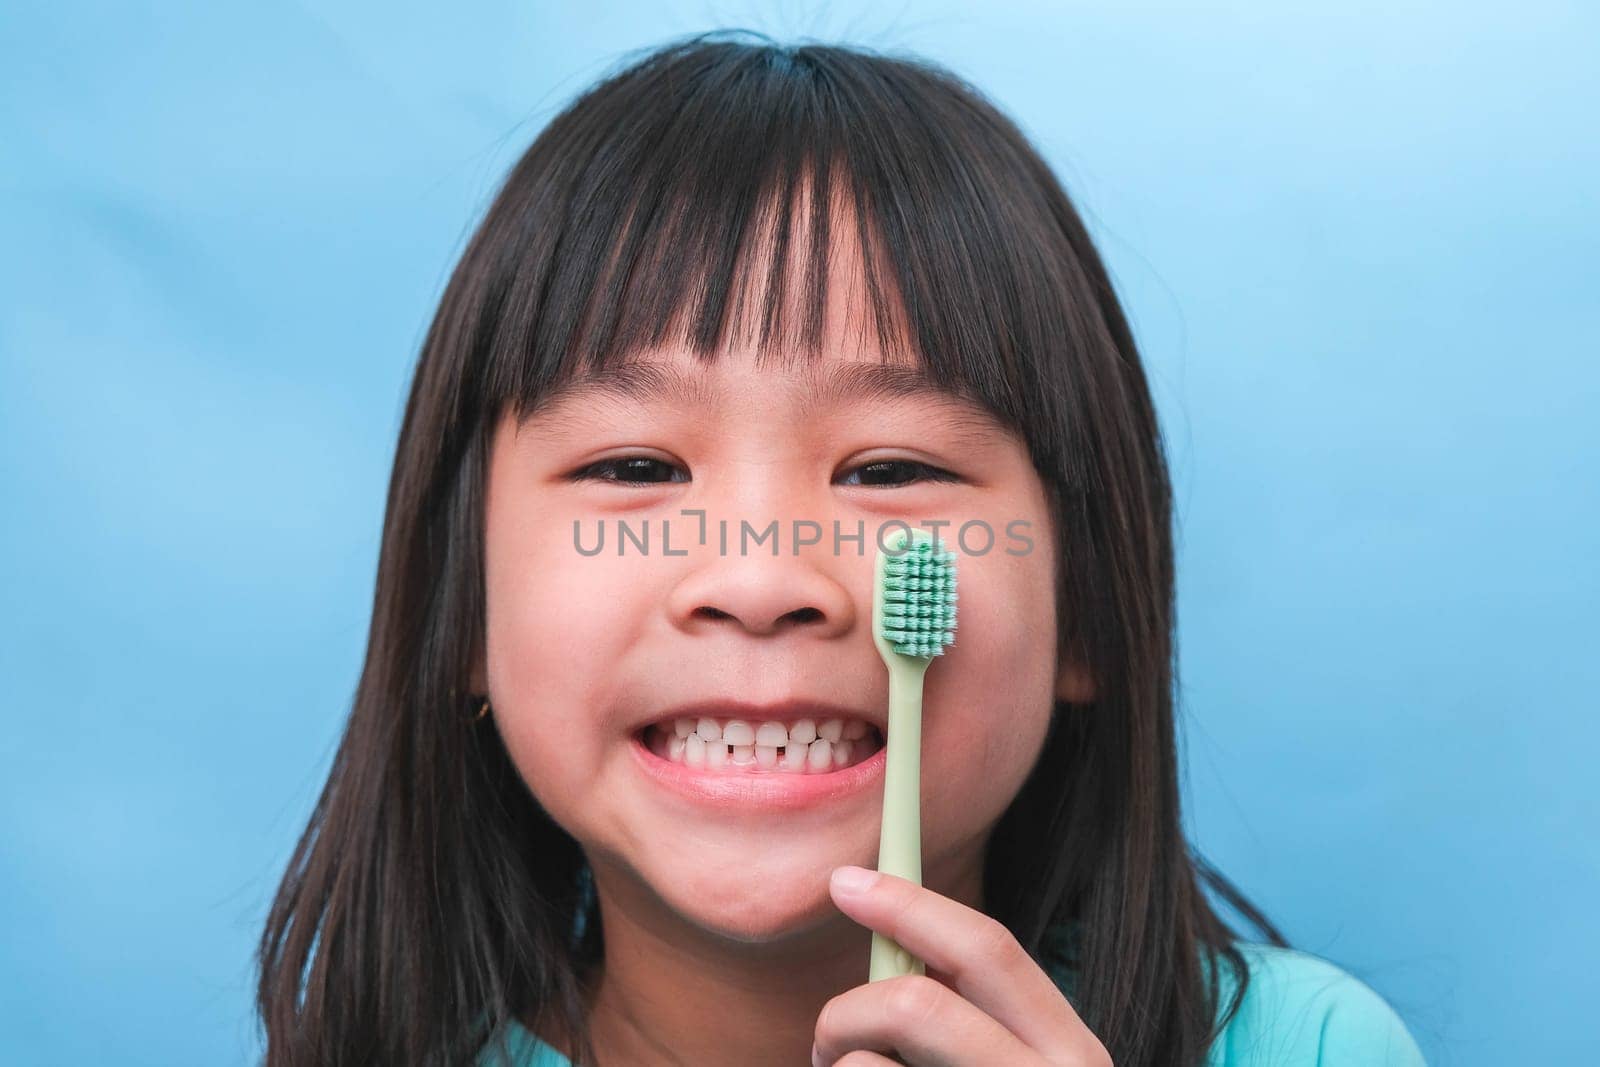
736 747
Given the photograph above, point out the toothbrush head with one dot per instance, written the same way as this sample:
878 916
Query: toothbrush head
914 597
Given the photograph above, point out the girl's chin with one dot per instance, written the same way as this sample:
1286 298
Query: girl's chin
755 905
765 922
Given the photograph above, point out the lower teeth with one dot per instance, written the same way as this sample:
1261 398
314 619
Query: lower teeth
819 757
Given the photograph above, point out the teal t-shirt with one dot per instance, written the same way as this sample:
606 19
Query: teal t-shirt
1299 1011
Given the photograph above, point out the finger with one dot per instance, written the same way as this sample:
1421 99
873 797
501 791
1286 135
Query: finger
863 1058
926 1024
979 957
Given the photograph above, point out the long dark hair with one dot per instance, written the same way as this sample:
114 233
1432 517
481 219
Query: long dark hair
431 899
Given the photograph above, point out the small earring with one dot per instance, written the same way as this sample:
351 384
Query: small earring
482 711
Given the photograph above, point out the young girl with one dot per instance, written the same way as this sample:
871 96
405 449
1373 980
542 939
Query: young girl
739 286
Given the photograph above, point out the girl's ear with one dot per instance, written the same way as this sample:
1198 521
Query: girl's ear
1073 684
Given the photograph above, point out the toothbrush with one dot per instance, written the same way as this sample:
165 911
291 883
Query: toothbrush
913 618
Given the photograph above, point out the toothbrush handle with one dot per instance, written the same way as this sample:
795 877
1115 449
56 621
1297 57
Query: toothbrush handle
900 839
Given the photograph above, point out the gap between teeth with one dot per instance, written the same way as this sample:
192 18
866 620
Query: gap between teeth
807 747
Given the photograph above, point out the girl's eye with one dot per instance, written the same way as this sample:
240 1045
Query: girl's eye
646 470
634 470
886 468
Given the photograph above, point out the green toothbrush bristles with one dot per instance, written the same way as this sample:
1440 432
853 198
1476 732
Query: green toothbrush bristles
919 600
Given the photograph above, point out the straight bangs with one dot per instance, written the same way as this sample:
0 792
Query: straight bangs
712 217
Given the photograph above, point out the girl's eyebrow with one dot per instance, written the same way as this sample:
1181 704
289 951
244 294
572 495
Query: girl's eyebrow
820 386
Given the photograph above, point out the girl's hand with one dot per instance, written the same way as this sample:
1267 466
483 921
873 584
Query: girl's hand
983 1001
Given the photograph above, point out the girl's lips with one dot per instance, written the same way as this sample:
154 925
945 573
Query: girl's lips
763 791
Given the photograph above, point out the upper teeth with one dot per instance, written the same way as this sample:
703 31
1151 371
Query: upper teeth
771 734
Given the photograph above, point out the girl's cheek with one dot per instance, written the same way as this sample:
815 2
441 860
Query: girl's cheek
999 692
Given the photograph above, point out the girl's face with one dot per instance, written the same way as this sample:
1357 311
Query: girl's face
585 650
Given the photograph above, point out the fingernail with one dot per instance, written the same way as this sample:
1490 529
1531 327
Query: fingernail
816 1061
853 880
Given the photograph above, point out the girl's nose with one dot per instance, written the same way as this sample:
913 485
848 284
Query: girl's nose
763 596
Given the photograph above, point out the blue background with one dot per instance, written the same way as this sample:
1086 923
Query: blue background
1358 245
